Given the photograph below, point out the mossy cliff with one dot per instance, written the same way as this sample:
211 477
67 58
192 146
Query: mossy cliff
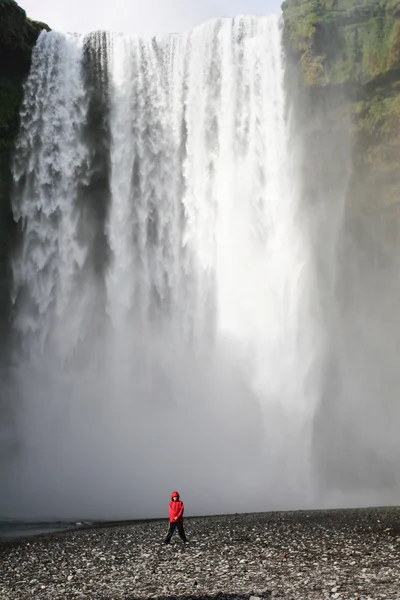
354 46
343 80
18 35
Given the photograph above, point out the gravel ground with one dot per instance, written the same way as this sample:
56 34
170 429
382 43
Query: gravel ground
302 555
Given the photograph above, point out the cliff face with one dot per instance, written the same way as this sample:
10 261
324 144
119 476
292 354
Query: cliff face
18 35
354 46
345 55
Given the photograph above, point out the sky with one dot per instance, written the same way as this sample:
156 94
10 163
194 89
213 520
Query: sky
140 17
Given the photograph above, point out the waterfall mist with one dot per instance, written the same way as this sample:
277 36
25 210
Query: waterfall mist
180 287
354 442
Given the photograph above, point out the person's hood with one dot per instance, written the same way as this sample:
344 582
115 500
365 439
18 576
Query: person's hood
174 494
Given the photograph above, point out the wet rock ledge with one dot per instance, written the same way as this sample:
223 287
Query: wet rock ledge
302 555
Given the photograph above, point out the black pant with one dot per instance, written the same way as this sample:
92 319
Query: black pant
172 527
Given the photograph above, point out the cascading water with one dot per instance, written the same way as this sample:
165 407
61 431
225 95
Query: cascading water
163 291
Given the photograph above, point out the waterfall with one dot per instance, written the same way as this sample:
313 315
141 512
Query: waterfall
165 327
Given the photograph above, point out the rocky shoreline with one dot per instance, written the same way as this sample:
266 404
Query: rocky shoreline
297 556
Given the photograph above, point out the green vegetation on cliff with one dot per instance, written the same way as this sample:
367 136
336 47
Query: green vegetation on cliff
355 45
18 35
342 41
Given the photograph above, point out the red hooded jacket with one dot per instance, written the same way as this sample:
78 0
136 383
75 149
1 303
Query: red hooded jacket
176 509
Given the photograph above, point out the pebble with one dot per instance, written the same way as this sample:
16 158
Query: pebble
292 556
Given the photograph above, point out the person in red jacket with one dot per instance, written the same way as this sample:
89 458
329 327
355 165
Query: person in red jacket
176 509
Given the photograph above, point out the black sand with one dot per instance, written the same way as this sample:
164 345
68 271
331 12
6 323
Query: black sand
304 555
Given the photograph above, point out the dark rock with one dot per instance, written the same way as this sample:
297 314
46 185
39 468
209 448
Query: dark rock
18 35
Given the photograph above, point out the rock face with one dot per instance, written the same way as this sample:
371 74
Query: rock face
343 82
313 555
351 49
18 35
